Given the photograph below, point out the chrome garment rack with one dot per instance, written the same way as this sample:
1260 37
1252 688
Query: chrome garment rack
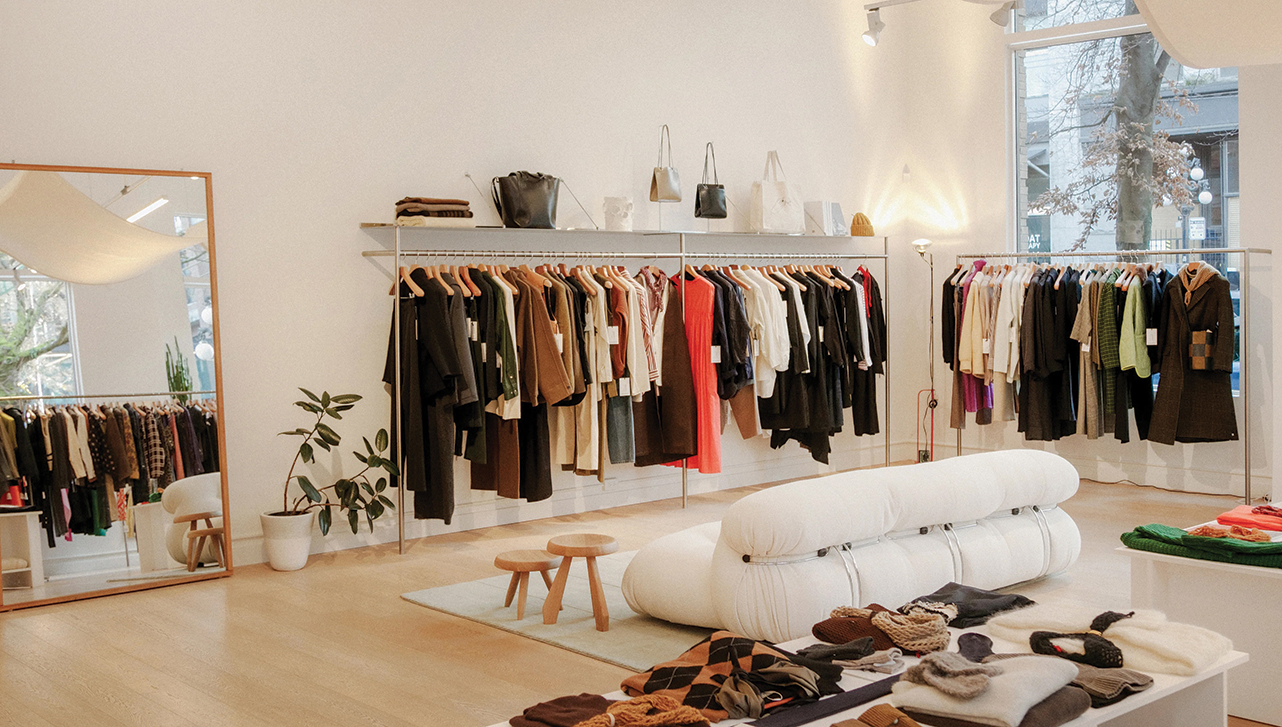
682 254
1244 289
152 395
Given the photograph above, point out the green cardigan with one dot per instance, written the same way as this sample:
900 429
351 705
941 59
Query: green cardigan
1174 541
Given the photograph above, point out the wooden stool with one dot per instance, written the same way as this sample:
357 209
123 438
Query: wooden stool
587 546
196 537
521 563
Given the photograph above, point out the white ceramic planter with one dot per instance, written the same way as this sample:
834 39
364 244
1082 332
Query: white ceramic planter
287 539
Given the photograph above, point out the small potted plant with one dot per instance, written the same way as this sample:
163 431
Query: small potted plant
287 534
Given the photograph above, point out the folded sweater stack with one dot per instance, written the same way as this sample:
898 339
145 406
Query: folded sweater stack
1168 540
433 212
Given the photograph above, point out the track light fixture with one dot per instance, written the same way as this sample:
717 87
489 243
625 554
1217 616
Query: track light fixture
872 36
1001 15
875 26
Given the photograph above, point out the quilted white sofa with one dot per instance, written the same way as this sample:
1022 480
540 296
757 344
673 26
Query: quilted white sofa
781 559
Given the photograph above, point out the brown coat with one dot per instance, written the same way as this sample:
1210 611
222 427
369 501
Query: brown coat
1193 405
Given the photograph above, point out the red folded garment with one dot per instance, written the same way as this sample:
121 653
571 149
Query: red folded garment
1242 515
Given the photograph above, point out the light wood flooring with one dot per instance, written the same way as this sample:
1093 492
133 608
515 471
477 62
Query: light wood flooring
334 644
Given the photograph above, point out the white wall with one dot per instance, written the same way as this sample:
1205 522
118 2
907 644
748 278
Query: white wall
122 330
1261 112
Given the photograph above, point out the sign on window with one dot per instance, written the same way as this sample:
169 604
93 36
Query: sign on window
1197 228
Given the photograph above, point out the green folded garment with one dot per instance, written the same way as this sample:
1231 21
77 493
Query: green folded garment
1174 541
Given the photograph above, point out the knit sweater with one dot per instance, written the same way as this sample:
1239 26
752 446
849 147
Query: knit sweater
1148 641
1023 683
1167 540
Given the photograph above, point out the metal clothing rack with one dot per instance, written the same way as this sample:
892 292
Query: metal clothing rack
1244 289
682 254
151 395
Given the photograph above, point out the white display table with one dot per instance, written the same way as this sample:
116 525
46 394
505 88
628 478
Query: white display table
1235 600
1172 701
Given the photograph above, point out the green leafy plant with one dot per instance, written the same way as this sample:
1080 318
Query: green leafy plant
177 372
355 494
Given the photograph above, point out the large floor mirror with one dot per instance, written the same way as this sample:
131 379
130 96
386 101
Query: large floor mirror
112 465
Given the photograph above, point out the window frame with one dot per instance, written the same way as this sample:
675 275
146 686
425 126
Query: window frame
1026 40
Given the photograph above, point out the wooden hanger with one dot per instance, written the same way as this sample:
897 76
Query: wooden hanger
467 280
458 277
405 276
770 279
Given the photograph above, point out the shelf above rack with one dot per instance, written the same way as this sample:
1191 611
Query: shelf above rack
584 230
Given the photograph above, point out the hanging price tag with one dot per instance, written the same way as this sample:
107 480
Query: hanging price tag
821 334
612 335
624 386
475 333
987 346
483 355
1150 336
560 342
1086 347
716 354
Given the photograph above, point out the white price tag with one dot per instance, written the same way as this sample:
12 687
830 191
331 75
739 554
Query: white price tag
821 334
1086 347
475 331
560 342
987 346
624 386
1150 337
716 354
612 335
483 356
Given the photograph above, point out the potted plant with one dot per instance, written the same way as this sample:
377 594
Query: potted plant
287 534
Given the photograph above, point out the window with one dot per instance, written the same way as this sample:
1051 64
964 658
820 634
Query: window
1119 146
36 333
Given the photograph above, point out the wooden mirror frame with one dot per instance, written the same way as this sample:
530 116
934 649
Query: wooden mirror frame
218 385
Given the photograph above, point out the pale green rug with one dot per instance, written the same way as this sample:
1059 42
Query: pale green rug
633 642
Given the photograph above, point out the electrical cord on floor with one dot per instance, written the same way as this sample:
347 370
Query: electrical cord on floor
1264 498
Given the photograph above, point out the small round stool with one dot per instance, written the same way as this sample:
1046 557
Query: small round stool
521 563
580 545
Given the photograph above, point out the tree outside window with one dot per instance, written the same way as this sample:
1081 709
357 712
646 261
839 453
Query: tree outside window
35 333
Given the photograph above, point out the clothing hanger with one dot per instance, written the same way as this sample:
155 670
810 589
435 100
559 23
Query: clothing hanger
466 277
436 274
453 270
405 277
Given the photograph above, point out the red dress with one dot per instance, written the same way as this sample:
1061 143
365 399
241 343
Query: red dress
699 299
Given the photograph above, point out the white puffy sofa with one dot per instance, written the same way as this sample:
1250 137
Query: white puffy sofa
781 559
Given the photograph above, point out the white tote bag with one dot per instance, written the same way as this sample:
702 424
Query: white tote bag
775 206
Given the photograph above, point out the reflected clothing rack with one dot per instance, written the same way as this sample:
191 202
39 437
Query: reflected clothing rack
1244 288
682 254
152 395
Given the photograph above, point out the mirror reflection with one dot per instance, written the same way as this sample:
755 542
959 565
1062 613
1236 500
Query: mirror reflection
109 448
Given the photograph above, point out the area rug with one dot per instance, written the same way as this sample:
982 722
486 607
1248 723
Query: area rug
633 642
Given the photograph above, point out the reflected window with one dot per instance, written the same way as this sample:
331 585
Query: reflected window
36 333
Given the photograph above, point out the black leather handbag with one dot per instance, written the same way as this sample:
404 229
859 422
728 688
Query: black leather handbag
526 200
710 197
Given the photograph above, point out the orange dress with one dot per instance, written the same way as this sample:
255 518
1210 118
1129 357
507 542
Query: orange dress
700 297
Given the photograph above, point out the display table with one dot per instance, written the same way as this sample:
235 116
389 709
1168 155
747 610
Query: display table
1235 600
1172 701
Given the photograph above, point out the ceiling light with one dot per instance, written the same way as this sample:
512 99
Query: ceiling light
875 26
1001 15
161 202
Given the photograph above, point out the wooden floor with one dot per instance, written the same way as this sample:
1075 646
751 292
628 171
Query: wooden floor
334 644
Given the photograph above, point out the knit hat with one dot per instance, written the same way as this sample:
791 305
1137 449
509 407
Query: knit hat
952 674
920 632
562 712
848 623
861 226
651 710
1107 686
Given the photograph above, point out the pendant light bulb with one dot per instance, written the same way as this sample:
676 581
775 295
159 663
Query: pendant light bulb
1205 197
1196 174
875 26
